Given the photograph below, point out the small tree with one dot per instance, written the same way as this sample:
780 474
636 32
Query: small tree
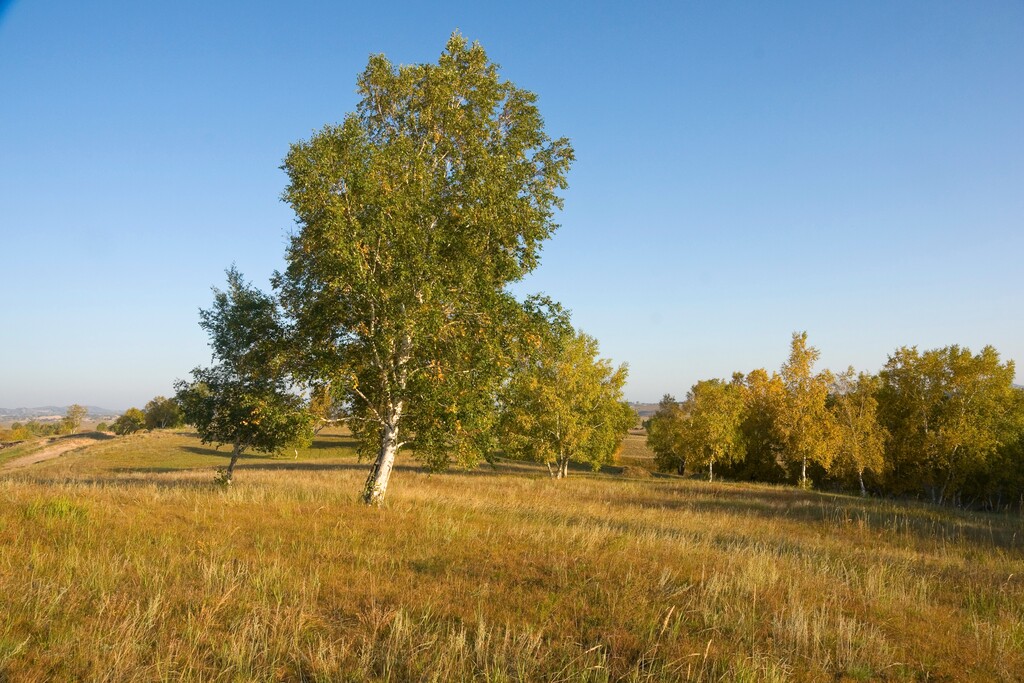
130 422
565 404
711 430
665 436
163 413
807 427
861 437
243 400
73 418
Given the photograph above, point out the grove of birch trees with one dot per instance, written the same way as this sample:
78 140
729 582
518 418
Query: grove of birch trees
945 425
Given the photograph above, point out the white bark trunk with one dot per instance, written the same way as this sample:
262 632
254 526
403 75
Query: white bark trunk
711 470
235 452
380 474
563 467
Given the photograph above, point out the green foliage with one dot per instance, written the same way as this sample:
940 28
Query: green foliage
948 412
130 422
163 413
665 436
414 214
31 429
102 427
564 404
243 400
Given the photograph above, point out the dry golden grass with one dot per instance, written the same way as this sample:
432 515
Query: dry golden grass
121 563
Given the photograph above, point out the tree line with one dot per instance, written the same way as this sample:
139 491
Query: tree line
159 413
944 424
69 424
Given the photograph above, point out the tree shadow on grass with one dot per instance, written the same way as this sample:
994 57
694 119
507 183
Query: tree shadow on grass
834 512
217 453
332 441
95 436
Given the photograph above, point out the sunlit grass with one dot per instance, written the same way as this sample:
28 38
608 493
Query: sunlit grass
124 562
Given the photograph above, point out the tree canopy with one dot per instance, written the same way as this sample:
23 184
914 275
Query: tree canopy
163 413
244 398
413 215
129 422
73 418
947 411
861 438
945 423
806 426
564 404
665 436
711 428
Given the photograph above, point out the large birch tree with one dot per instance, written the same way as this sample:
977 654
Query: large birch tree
413 215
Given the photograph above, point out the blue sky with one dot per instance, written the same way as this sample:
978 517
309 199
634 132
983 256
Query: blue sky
744 170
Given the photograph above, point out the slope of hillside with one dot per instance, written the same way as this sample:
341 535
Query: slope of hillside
126 563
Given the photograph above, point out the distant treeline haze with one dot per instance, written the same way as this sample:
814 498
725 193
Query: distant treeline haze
945 425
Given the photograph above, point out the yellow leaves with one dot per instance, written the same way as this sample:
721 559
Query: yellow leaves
434 368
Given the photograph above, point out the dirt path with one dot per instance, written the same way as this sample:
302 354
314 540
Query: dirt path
54 449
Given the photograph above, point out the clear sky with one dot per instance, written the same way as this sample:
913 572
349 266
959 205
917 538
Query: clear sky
744 170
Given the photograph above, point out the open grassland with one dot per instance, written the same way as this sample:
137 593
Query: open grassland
123 562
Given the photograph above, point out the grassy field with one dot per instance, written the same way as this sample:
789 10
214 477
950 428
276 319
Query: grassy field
121 561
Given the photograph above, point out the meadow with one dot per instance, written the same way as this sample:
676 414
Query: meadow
121 561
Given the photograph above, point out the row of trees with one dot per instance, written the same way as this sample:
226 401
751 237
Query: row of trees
69 424
945 424
159 413
556 401
414 216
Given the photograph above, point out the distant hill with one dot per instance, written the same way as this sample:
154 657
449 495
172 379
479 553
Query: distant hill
51 413
644 410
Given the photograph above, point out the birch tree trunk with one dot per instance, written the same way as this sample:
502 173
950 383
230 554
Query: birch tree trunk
235 452
380 474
